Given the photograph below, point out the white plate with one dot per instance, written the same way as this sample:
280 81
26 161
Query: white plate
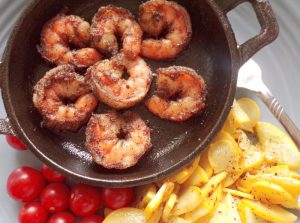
278 61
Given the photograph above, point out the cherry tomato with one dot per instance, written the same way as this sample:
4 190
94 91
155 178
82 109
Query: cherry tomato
25 184
62 217
55 197
33 212
92 219
85 200
51 174
116 198
15 142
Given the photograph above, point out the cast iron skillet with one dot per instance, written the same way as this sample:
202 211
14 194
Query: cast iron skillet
213 52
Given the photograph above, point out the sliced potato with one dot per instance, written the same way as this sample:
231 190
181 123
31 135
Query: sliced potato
156 215
126 215
278 147
224 135
273 213
223 155
213 183
181 176
246 113
233 214
230 124
178 220
198 178
273 194
235 174
204 163
247 216
157 199
237 193
220 215
281 170
188 199
253 159
144 194
169 207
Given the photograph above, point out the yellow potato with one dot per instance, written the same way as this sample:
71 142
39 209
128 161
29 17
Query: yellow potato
213 183
198 178
273 194
278 147
235 174
273 213
181 176
220 215
126 215
144 194
188 199
237 193
178 220
246 113
224 135
207 208
156 215
169 207
247 216
230 124
281 170
223 155
233 214
204 163
157 199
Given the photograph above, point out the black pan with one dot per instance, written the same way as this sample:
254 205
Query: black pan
213 52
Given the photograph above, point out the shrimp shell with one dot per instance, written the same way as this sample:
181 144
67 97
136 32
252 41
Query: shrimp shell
117 141
51 92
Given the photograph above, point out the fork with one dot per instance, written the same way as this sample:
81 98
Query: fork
250 77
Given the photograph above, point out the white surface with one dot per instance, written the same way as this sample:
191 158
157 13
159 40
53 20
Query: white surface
278 61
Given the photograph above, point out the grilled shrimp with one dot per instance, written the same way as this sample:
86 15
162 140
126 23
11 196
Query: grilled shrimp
110 21
117 141
64 99
105 78
161 16
181 93
59 34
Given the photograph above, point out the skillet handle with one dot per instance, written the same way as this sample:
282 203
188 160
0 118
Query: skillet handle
267 20
5 126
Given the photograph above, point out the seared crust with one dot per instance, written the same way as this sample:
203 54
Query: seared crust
117 141
60 84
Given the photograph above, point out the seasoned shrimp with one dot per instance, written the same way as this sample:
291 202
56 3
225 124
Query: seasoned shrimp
59 33
161 16
105 78
64 99
110 21
117 141
181 93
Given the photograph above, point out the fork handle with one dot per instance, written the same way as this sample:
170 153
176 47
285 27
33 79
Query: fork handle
276 108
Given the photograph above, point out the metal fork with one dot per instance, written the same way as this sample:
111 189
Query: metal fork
250 77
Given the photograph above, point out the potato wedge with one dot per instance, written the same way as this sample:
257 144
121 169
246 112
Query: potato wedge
237 193
198 178
144 194
207 207
278 147
247 216
169 207
273 213
223 155
126 215
272 194
156 215
246 113
157 199
188 199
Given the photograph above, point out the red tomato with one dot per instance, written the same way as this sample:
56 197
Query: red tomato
25 184
116 198
92 219
55 197
15 142
62 217
33 212
85 200
51 174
